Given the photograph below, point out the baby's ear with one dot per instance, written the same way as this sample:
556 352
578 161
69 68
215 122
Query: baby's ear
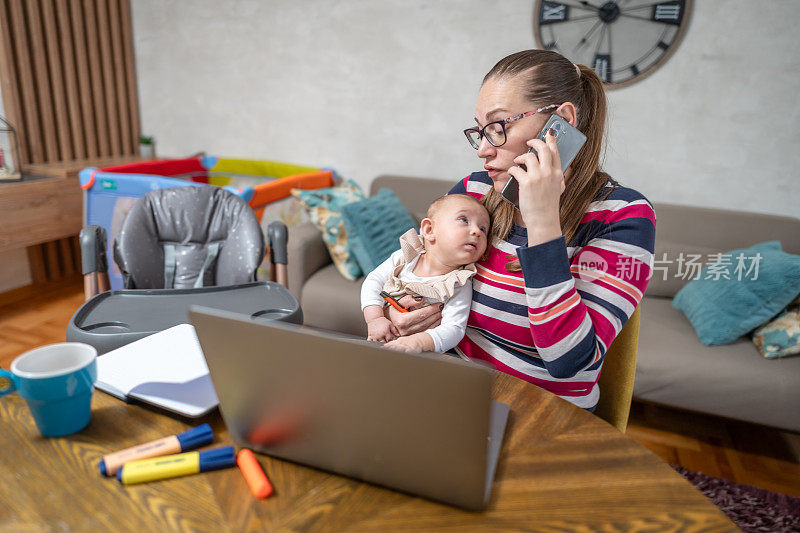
426 230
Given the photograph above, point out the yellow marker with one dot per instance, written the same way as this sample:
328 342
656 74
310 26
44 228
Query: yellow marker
181 464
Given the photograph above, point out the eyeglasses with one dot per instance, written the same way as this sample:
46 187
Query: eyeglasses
495 132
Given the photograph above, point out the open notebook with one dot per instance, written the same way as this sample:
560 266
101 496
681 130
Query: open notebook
166 369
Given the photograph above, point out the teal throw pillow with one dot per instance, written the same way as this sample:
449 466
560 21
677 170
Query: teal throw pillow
740 291
324 208
374 226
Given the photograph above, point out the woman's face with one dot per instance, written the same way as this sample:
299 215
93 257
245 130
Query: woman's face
501 98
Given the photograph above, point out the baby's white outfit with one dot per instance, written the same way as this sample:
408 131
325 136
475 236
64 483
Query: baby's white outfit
396 276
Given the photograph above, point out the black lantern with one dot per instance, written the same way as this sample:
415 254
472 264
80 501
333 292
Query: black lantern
9 152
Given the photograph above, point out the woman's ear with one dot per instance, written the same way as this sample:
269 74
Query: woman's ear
426 230
567 110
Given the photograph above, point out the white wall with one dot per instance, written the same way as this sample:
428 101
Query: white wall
378 87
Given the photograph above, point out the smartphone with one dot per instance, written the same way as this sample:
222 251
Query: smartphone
568 141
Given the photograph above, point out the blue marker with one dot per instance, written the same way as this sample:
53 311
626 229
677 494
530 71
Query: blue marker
188 440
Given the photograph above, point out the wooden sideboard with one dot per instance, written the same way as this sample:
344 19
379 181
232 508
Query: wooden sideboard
47 207
45 213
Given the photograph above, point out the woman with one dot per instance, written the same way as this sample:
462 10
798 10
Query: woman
568 267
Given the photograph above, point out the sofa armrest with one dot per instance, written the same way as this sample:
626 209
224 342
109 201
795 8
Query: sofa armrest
307 253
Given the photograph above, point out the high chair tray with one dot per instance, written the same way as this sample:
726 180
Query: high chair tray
115 318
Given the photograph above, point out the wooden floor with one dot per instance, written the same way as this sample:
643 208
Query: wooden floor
741 452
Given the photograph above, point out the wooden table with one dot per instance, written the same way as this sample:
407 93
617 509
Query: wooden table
561 469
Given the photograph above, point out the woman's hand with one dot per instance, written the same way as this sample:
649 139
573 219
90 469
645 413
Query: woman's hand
419 317
405 344
540 188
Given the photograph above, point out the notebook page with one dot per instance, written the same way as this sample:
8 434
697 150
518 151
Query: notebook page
166 369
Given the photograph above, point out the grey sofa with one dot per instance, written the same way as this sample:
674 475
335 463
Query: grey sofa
673 367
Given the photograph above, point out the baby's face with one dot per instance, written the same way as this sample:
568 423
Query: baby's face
460 229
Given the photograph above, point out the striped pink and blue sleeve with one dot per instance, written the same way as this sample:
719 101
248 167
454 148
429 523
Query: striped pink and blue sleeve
578 305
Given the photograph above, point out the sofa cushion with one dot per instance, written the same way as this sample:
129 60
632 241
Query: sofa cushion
725 302
674 368
374 226
331 302
325 211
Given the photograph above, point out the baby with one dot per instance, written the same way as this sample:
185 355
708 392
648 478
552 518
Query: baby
435 265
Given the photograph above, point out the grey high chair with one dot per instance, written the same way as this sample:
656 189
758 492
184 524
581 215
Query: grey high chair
180 247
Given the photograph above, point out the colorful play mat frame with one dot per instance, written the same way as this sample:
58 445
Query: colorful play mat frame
110 192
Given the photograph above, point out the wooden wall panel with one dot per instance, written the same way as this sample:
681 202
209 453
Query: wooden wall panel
27 124
70 69
8 72
41 78
68 78
69 88
107 67
120 85
58 85
96 76
84 79
131 105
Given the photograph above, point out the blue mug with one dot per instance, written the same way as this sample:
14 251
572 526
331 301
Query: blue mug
56 381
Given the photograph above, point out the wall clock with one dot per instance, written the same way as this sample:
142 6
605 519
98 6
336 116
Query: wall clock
623 41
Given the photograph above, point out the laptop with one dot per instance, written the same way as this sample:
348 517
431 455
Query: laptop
423 424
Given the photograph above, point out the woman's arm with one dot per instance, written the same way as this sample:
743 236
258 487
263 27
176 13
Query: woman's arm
577 308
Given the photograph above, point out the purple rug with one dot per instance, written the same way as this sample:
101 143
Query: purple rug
751 508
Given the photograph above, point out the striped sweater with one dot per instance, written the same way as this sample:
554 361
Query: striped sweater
551 323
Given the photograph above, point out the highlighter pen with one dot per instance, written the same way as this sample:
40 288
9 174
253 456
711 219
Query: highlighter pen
183 442
253 474
394 303
181 464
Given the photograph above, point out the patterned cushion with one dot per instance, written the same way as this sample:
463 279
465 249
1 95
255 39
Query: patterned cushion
324 208
375 225
780 337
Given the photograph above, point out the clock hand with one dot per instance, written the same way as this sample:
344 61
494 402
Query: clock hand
585 38
582 5
583 17
625 14
587 4
600 39
640 6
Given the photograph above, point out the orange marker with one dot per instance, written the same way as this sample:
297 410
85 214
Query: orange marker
394 303
253 474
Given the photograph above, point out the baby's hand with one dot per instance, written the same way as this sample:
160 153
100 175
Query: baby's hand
381 329
405 344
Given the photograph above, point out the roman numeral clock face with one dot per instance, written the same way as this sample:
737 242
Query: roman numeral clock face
623 41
